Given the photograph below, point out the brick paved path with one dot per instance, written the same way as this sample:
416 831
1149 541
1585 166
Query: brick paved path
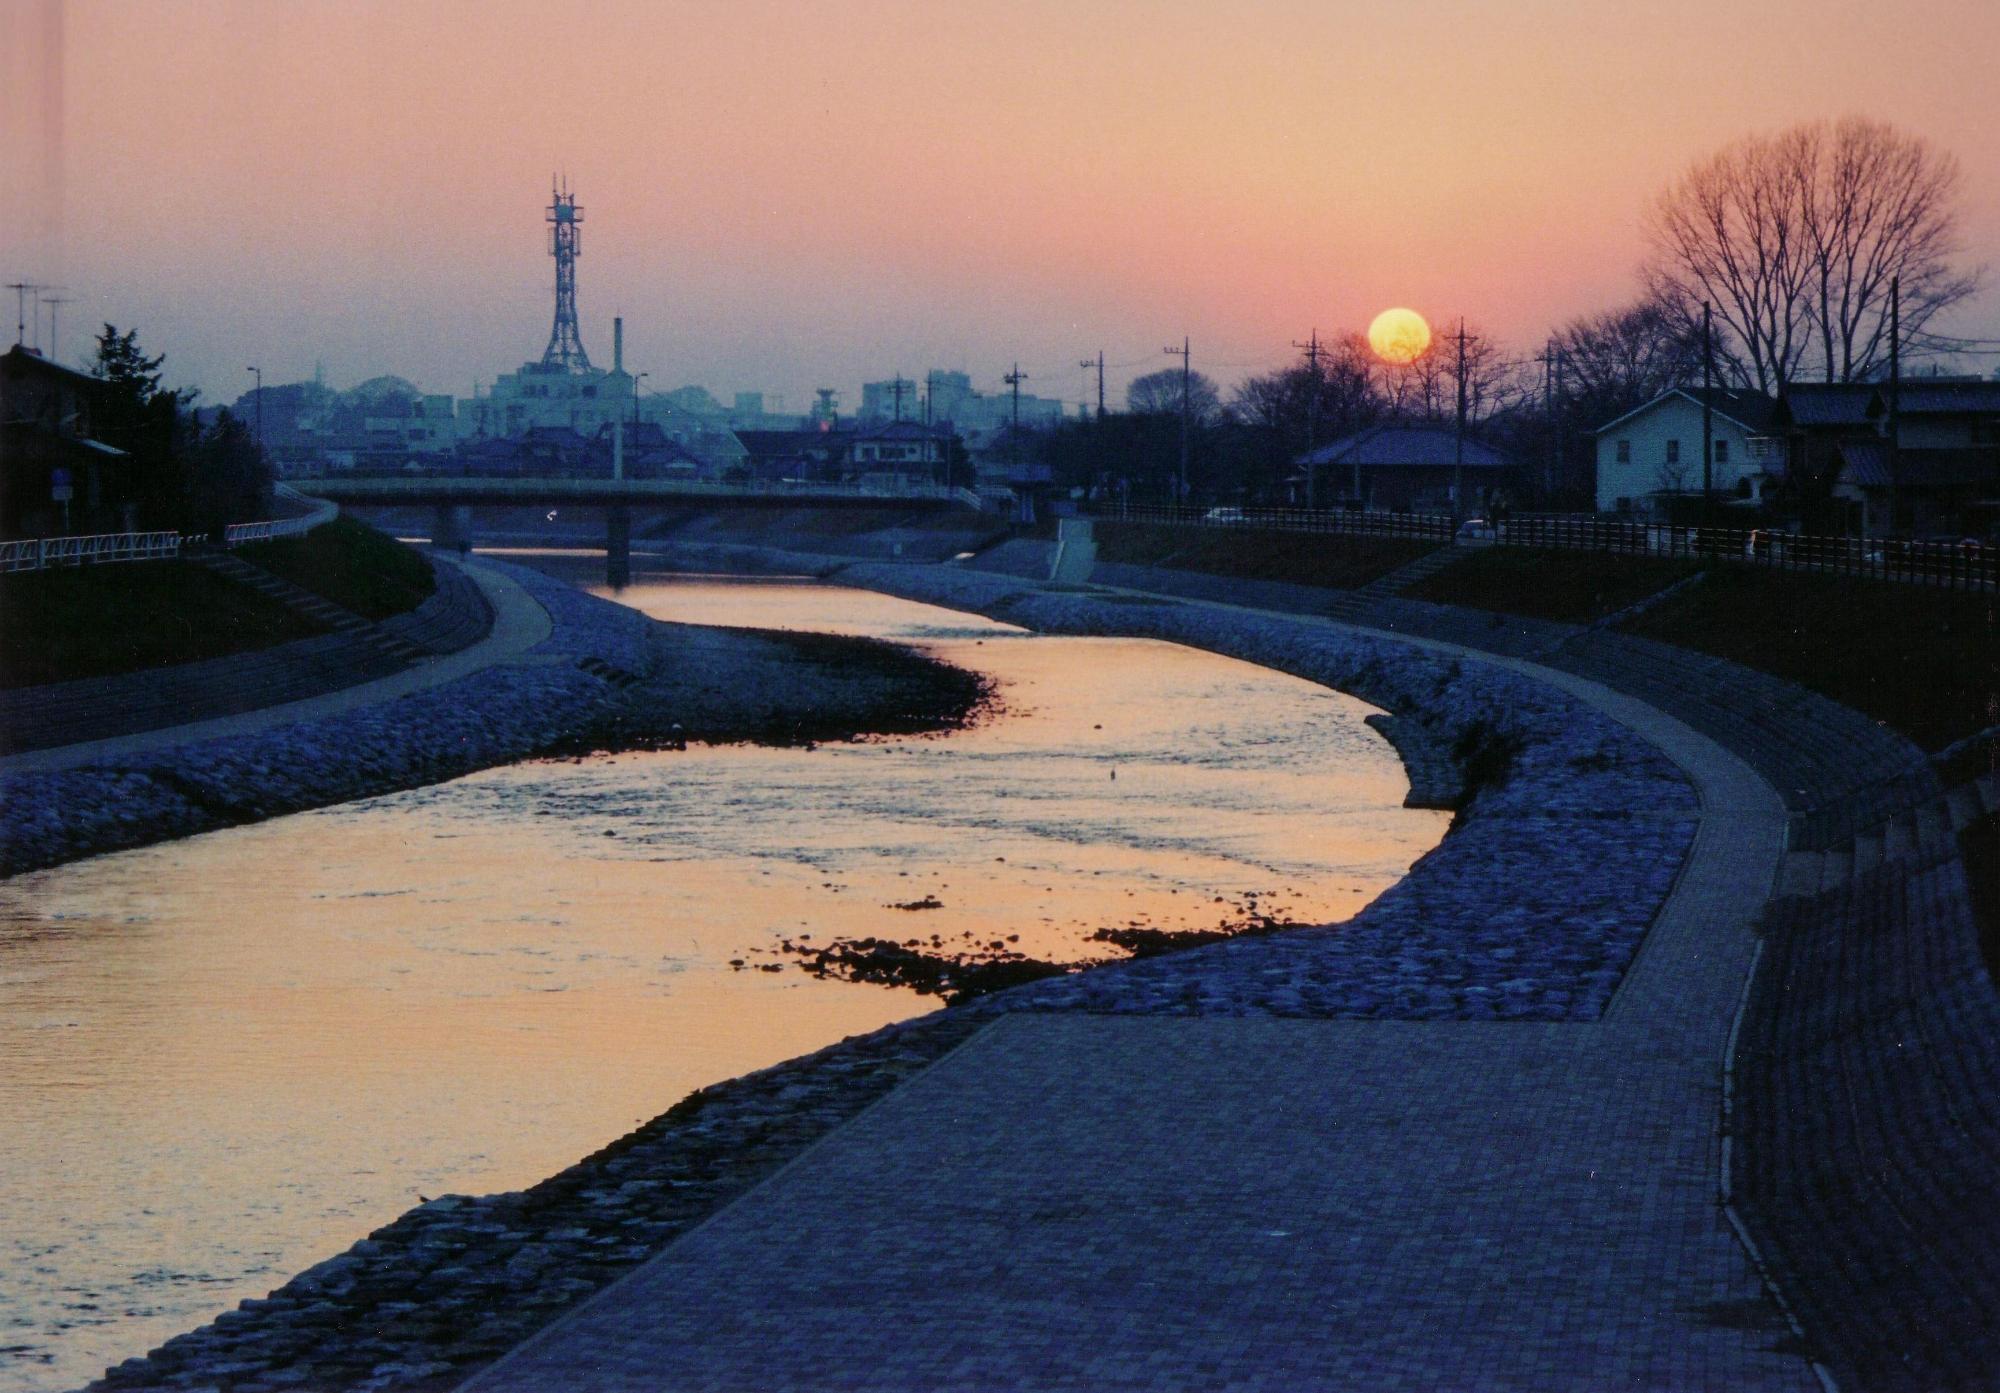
1079 1202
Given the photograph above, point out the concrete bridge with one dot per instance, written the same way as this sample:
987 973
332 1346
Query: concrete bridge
451 495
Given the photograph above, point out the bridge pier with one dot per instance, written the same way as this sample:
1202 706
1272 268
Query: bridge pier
451 526
617 546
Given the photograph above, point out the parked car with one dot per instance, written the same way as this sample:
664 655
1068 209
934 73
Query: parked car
1476 532
1223 515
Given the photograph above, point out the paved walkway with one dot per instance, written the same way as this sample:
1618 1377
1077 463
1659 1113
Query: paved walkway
519 623
1093 1202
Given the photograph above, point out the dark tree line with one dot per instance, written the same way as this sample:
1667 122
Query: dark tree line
186 476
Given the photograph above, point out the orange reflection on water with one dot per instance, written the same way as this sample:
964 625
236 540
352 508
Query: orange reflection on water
228 1057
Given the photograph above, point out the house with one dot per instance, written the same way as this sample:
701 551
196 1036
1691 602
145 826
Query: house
1407 467
1933 444
56 476
898 453
813 453
1653 452
650 453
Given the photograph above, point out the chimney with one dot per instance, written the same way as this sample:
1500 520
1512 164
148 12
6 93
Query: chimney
618 344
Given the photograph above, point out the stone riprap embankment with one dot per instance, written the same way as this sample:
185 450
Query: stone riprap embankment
504 712
1573 834
1572 837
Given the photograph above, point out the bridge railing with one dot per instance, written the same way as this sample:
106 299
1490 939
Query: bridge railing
100 548
474 488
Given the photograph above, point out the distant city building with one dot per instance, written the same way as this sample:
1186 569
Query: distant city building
948 397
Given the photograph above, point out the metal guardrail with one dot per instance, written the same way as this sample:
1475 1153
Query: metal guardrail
475 488
1354 522
1946 565
39 553
96 549
319 511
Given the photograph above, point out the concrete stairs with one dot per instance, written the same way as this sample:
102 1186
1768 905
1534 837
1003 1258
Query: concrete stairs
314 607
1920 835
1388 586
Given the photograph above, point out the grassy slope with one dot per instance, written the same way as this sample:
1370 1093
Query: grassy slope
1303 558
351 564
1924 661
94 621
1572 586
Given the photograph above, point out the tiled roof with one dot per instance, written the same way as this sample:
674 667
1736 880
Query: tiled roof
1433 446
1920 398
1831 403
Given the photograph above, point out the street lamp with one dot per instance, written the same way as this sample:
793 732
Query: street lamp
260 407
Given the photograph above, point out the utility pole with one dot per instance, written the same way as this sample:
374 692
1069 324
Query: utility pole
1707 410
898 387
260 407
1549 415
1458 436
1311 347
1562 418
21 289
1895 398
1014 380
1182 351
1098 363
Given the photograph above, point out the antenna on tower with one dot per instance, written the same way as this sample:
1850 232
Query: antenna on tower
565 351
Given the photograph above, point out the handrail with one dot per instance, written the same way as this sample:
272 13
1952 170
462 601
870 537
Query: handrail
39 553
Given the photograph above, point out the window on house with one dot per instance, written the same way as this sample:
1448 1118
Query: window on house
1722 452
1624 452
1673 452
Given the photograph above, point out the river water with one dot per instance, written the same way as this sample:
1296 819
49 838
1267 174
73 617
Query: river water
225 1058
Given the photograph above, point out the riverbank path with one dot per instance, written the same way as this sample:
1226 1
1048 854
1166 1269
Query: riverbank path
1076 1202
519 623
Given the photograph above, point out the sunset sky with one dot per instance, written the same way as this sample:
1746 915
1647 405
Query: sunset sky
783 196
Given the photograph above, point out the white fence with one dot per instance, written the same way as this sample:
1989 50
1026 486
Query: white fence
42 552
317 512
99 549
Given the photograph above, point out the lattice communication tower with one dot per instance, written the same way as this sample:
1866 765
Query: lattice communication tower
565 351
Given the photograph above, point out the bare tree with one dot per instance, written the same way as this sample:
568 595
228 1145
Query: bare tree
1881 206
1732 232
1794 238
1427 386
1159 394
1619 359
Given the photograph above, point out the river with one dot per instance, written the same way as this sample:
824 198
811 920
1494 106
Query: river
225 1058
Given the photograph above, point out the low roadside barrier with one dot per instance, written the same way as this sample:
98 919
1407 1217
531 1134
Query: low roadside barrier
1964 565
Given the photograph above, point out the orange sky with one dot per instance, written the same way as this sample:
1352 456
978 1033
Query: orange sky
780 196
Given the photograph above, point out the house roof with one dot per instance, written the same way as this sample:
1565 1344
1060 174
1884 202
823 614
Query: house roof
1748 409
1921 398
1429 446
902 430
21 361
1865 464
1830 404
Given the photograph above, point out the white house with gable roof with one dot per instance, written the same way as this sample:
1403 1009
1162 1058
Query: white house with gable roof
1654 452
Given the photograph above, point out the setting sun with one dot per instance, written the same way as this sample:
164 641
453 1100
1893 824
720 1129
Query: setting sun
1399 336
